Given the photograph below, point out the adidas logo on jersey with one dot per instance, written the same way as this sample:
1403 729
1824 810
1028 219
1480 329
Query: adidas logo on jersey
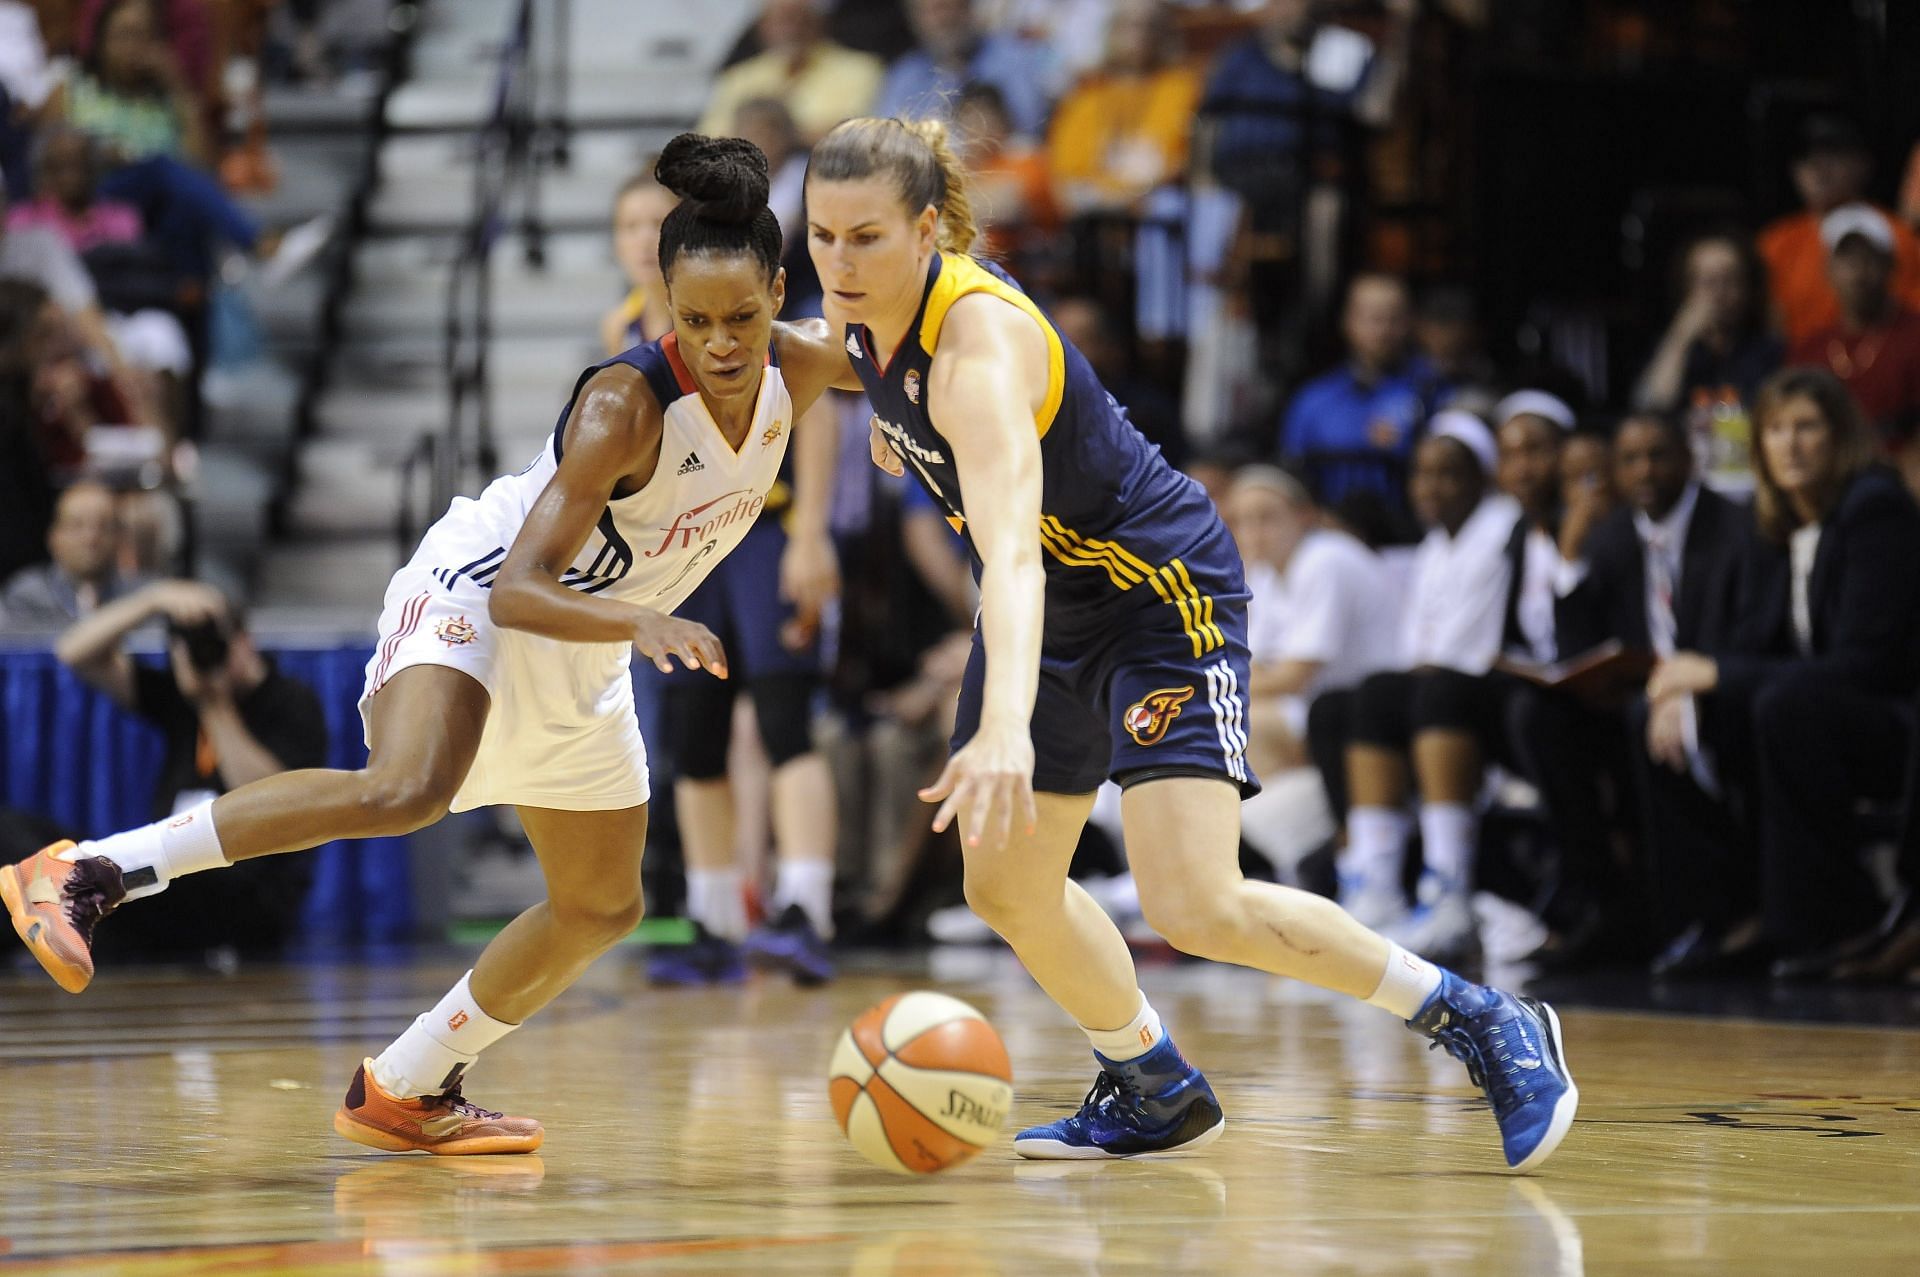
853 345
691 464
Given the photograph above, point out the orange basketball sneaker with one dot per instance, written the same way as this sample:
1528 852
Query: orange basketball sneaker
55 905
445 1123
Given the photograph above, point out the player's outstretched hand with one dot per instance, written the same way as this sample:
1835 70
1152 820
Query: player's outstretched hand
989 783
882 452
662 638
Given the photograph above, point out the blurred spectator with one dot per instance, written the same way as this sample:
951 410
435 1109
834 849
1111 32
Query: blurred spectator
1013 195
70 396
1354 427
1451 633
1586 481
821 82
1122 131
41 256
954 52
1284 94
1090 329
228 718
1658 574
1874 346
133 280
65 176
1833 611
1447 333
768 124
26 481
131 92
1073 31
27 79
1715 352
638 210
1324 613
84 572
1532 429
1830 169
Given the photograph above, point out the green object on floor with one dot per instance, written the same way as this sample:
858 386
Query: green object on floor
656 931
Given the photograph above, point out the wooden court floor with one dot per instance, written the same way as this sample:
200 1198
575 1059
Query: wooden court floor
169 1124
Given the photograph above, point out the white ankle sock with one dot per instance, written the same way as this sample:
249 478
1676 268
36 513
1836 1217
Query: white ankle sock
182 844
422 1060
1406 984
1131 1040
713 901
1448 833
1376 845
809 884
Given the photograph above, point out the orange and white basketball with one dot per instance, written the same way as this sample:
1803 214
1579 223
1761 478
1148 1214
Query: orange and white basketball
920 1082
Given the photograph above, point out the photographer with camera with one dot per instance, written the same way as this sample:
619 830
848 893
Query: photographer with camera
229 718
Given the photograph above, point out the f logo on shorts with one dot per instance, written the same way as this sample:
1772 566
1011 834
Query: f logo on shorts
1148 718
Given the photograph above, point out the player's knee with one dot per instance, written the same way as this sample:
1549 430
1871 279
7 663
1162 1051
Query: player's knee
999 900
399 803
599 920
1193 922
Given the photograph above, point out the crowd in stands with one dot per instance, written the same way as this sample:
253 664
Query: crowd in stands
1555 659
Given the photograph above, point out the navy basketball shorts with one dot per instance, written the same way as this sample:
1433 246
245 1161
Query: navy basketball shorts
740 602
1150 693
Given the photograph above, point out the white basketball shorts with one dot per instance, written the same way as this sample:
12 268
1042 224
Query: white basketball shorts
561 731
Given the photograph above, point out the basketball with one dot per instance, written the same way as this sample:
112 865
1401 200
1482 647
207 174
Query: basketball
920 1083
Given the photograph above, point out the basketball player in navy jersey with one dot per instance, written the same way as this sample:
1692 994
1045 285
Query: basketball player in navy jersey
1111 642
501 675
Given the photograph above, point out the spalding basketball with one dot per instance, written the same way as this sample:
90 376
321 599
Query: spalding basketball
920 1083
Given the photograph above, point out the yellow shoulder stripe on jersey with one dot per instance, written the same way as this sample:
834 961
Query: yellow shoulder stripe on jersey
1125 569
960 275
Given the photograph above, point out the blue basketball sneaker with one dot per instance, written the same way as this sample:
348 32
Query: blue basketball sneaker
789 941
1512 1049
706 959
1154 1104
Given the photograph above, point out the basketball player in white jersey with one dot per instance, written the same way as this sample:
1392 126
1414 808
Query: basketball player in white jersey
501 675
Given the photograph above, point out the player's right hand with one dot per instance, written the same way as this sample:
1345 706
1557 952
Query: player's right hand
988 783
882 451
662 639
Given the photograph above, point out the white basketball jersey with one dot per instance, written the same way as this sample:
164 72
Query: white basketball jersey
654 546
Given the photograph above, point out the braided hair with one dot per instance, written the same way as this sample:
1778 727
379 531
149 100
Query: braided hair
723 185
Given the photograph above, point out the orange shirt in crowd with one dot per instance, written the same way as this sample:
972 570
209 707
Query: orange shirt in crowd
1797 271
1013 198
1117 137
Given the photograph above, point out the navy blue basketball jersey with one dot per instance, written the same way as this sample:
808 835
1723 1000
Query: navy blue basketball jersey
1121 528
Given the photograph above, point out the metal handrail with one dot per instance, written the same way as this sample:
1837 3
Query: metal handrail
509 153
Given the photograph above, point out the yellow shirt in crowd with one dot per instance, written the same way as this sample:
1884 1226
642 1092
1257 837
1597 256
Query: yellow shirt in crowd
831 84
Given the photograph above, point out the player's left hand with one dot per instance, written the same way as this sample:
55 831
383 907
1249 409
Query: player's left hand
990 782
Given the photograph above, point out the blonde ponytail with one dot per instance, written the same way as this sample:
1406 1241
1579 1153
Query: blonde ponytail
958 230
918 156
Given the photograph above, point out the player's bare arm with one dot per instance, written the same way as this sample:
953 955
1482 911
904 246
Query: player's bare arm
987 380
611 440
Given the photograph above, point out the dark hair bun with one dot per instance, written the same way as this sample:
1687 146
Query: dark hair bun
724 178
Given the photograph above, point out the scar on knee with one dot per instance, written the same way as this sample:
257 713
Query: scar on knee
1287 941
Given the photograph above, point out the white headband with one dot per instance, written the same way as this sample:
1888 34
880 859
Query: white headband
1534 403
1469 431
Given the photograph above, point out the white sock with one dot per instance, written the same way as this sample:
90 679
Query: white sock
714 901
182 844
1448 832
1131 1040
1376 846
1407 983
422 1060
809 884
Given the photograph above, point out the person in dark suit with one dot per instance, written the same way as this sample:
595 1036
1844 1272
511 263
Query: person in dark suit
1655 574
1829 666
